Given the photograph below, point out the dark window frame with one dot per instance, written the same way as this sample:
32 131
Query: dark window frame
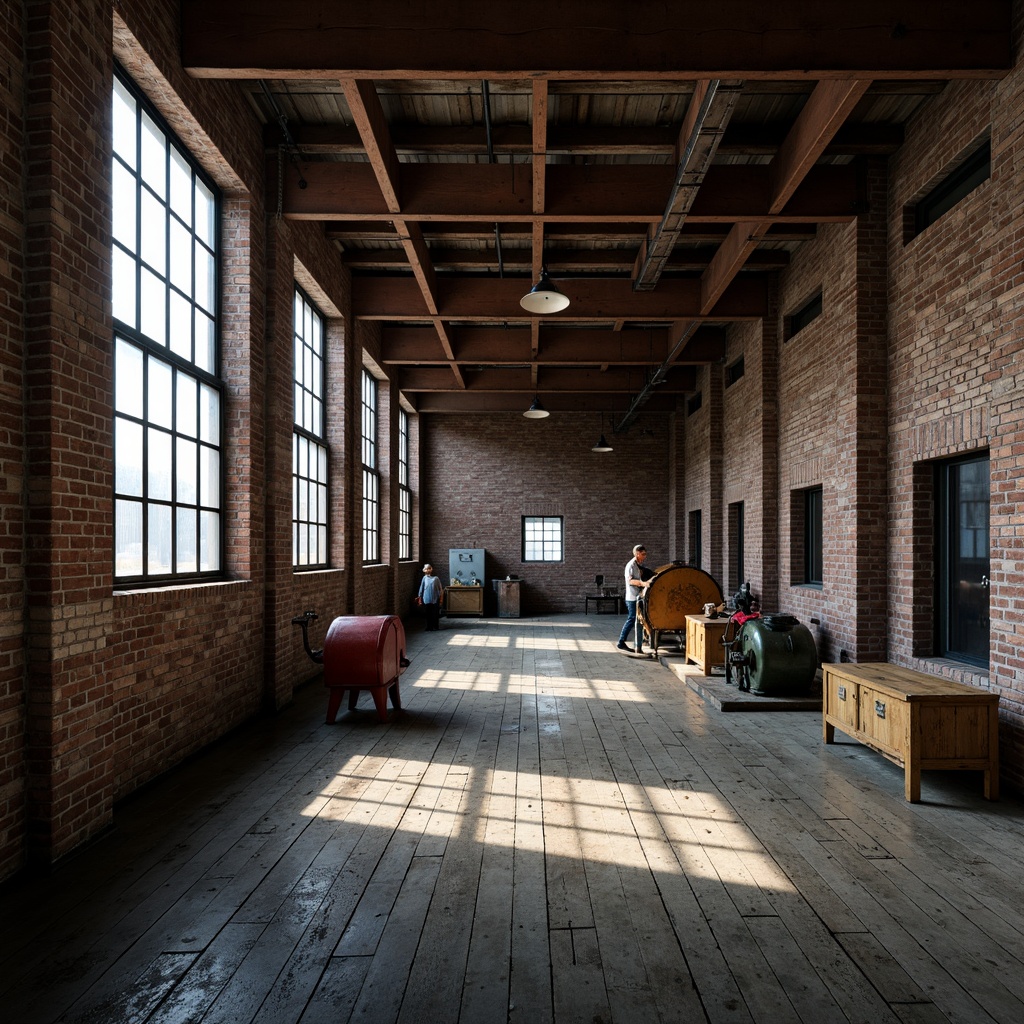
805 315
309 435
369 405
956 186
152 266
404 490
543 542
952 602
813 537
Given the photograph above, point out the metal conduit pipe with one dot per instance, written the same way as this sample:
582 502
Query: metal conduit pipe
656 378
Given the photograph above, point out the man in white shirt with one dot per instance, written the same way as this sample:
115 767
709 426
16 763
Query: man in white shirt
634 585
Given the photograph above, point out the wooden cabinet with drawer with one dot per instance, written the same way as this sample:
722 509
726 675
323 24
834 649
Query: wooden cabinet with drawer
916 720
704 642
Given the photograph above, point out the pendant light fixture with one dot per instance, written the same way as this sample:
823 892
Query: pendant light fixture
536 410
602 445
544 296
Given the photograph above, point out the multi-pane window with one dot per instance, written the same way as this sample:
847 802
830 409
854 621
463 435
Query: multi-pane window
542 539
309 453
167 396
404 491
371 477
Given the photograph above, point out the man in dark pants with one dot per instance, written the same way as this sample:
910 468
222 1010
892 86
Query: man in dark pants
431 593
634 584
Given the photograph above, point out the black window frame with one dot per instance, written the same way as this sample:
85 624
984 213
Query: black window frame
369 406
309 433
198 372
404 490
950 602
543 521
805 315
956 186
813 537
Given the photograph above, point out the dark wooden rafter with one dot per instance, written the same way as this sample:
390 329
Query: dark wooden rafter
368 116
655 164
818 121
362 38
491 300
481 346
503 193
710 108
578 140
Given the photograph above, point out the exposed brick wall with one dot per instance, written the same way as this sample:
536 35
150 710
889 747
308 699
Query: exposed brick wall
298 253
482 474
916 357
12 441
67 401
955 371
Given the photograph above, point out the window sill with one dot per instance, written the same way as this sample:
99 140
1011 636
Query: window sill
137 591
958 671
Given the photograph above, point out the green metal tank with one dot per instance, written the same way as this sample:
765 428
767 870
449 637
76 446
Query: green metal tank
778 656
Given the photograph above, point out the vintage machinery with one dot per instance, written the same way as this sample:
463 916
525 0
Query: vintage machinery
770 655
676 590
360 652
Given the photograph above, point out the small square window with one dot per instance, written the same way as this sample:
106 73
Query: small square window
542 539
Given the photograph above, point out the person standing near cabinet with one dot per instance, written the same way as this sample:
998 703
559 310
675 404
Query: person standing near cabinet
635 583
431 593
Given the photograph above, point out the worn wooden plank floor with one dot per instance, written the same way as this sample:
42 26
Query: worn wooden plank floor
550 832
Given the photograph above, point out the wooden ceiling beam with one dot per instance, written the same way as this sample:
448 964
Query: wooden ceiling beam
876 139
821 117
710 109
492 193
492 300
515 403
368 116
418 346
554 379
364 39
374 232
558 261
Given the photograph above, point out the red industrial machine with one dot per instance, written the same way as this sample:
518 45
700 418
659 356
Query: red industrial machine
360 652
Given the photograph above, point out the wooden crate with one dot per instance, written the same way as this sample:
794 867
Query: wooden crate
465 600
916 720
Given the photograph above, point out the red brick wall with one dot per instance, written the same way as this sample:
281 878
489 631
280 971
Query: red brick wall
299 253
956 372
482 474
12 440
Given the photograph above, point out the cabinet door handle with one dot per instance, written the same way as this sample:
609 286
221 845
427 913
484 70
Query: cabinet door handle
842 692
880 708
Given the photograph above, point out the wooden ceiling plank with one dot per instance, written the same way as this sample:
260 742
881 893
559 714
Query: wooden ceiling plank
362 38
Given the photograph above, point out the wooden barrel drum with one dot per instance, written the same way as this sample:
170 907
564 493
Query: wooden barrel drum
675 591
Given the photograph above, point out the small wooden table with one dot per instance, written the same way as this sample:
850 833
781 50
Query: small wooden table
916 720
704 641
598 599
